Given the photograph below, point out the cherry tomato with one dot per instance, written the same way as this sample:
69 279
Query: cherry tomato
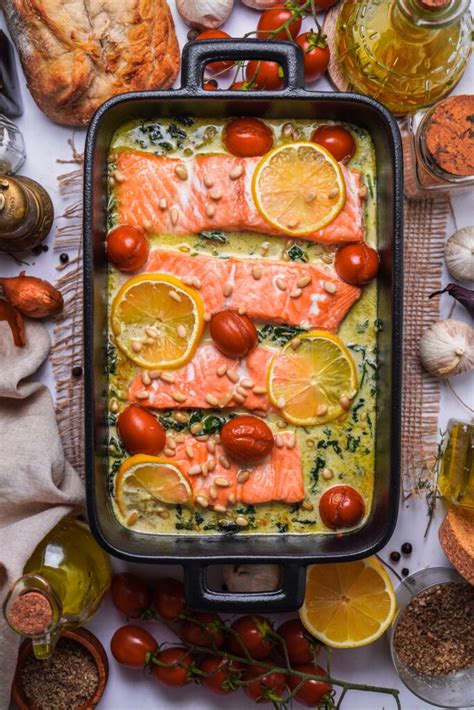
220 66
222 674
264 75
248 137
169 598
210 85
312 691
252 633
131 644
180 674
240 86
341 507
210 637
299 643
271 20
140 431
127 248
337 140
357 264
325 4
130 594
267 687
316 55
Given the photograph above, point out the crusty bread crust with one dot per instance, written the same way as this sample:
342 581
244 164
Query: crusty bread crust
78 53
456 536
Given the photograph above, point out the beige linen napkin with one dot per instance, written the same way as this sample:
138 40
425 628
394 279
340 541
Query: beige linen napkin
37 485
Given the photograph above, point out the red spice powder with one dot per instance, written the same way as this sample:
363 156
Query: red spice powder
450 135
30 613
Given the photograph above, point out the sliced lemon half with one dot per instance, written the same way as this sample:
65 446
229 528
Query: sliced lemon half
299 188
313 379
157 321
348 604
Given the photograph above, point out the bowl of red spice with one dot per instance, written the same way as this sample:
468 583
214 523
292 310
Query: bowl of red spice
73 678
432 638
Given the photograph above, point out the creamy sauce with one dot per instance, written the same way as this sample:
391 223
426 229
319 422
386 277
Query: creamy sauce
346 446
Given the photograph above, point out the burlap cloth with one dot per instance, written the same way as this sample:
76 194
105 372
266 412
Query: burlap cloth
38 486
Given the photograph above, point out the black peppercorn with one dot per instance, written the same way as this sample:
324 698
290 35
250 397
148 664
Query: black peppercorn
407 548
64 258
45 247
76 371
405 572
395 556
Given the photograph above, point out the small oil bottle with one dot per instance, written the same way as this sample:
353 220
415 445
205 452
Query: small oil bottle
63 584
456 471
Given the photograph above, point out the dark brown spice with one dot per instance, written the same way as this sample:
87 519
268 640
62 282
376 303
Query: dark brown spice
65 681
435 633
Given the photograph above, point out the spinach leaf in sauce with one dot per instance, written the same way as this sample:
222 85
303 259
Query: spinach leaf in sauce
214 236
319 464
280 334
167 420
296 253
111 359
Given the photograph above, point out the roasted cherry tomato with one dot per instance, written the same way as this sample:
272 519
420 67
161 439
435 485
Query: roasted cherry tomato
247 137
252 633
337 140
181 671
127 248
210 85
312 691
264 75
169 598
341 507
267 687
222 674
240 86
220 66
299 643
130 594
357 264
131 644
247 439
212 636
234 334
272 19
140 431
316 55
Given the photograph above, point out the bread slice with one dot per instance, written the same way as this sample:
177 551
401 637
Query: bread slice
456 536
76 54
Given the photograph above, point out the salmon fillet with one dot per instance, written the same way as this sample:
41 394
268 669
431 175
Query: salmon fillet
263 297
151 195
278 478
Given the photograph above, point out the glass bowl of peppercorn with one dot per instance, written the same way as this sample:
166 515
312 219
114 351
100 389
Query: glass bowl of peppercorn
432 638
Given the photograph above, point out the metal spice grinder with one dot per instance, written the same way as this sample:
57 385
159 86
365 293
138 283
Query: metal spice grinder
26 213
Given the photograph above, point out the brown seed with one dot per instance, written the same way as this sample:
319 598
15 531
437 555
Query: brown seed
327 259
307 506
296 293
119 176
207 317
189 451
180 417
241 391
345 402
329 287
202 501
242 310
228 289
233 376
304 281
281 424
241 521
243 476
327 474
132 518
363 416
168 377
179 396
280 283
287 130
224 462
155 374
221 482
292 223
143 394
136 346
256 272
194 470
264 247
239 398
259 413
181 171
149 341
236 172
196 428
321 410
210 399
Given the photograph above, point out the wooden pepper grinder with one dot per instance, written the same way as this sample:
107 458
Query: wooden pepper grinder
26 213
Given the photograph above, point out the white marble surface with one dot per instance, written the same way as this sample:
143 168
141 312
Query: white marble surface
127 690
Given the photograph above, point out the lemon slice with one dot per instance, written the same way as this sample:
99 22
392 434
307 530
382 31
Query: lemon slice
299 188
313 379
157 321
144 483
348 604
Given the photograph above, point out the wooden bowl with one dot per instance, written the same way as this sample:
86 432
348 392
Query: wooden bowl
81 636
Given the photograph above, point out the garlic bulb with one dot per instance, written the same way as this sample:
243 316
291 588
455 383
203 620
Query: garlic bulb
204 14
261 4
252 578
447 348
459 254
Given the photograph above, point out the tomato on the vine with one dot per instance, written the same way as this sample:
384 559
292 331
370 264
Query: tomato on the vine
341 507
299 643
357 264
130 646
180 671
271 20
203 629
315 53
127 248
312 691
130 594
337 140
247 137
220 66
140 431
253 633
221 674
267 687
264 75
210 85
169 598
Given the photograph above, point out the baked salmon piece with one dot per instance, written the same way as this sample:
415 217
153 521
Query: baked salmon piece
175 196
270 291
200 382
278 478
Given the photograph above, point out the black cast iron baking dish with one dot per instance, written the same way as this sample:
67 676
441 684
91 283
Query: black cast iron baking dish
292 551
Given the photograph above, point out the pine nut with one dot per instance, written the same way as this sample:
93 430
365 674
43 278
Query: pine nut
210 399
132 518
281 424
189 451
202 501
168 377
187 280
228 289
281 401
241 521
114 406
206 317
182 418
136 346
196 283
231 498
333 193
181 171
247 382
221 482
307 505
265 246
181 330
204 469
155 374
149 341
304 281
196 428
208 181
220 509
179 438
210 210
279 441
240 390
211 447
243 476
242 310
164 514
215 194
221 370
143 394
233 376
295 343
259 413
363 192
291 441
146 378
224 462
170 443
256 272
292 223
259 390
163 203
211 464
213 493
174 216
327 474
321 410
296 293
204 437
194 470
119 176
169 452
287 130
151 332
329 287
345 402
225 400
175 296
327 259
281 284
363 416
236 172
239 398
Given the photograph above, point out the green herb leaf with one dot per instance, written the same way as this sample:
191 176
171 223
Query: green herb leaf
296 253
280 334
214 236
319 464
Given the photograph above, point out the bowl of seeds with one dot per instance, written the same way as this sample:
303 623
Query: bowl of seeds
73 678
432 638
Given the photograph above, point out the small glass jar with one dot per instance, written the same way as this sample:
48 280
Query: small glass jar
456 468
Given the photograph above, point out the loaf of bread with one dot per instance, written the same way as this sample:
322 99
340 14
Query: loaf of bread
76 54
456 536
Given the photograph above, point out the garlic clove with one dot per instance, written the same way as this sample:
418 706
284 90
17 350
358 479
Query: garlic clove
204 14
459 254
447 348
261 4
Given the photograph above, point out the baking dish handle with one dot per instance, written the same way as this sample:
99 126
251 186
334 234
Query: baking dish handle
288 597
197 54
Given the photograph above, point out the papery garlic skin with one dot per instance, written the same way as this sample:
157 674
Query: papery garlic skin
447 348
204 14
459 254
252 578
